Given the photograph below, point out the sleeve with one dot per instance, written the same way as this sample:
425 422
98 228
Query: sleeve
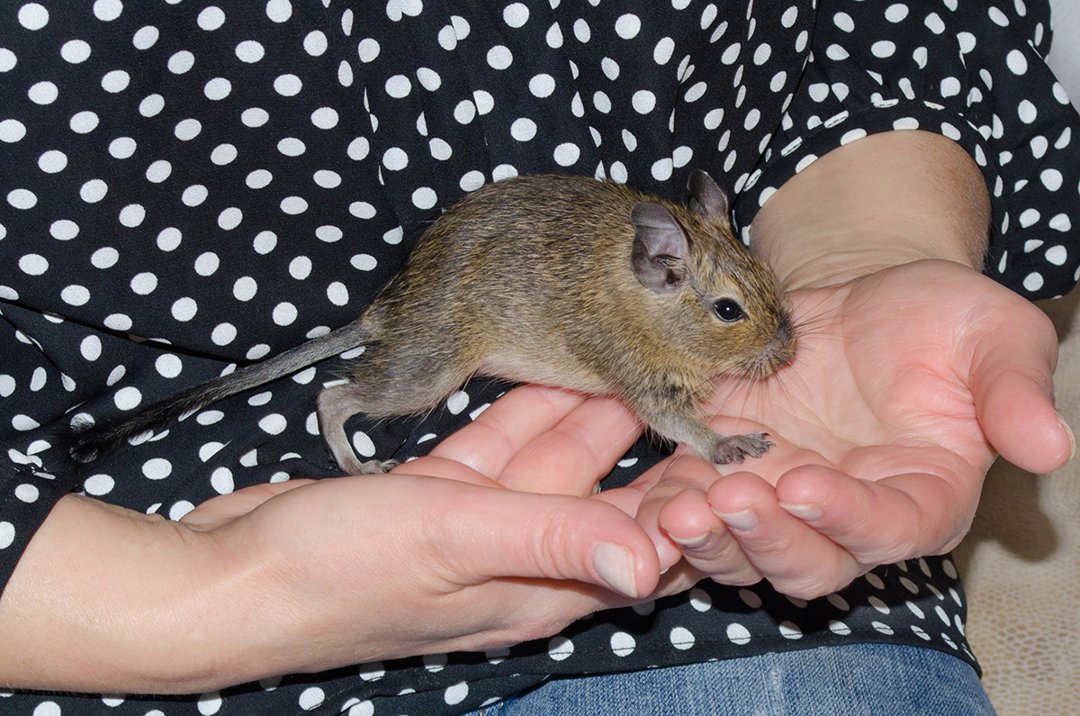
974 72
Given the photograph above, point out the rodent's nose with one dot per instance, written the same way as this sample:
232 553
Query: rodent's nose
782 346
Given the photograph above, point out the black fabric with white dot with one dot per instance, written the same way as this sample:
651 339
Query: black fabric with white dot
197 185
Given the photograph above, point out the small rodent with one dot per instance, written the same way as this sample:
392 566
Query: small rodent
562 280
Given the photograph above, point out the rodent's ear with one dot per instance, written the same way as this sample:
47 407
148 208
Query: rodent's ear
706 196
659 247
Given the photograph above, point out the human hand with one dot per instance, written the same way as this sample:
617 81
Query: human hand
306 575
907 383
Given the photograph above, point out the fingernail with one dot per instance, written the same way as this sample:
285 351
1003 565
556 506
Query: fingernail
693 542
1072 438
744 520
615 565
808 512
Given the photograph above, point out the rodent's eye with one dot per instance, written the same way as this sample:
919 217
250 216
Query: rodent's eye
728 310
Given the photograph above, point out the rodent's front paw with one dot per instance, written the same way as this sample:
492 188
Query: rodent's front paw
735 448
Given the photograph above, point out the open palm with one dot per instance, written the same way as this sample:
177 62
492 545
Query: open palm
908 383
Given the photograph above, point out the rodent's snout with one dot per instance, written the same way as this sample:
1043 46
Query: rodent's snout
781 349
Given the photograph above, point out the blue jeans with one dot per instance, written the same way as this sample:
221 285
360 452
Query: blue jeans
871 679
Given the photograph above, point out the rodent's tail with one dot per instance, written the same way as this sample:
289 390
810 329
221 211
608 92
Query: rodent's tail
89 441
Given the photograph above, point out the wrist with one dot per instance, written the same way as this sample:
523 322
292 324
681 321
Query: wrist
882 201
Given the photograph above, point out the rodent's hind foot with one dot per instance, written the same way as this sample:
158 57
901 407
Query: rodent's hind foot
735 448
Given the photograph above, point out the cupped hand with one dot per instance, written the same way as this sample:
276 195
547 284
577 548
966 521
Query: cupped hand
493 539
908 383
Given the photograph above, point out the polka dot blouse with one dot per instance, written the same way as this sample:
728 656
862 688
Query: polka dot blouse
187 186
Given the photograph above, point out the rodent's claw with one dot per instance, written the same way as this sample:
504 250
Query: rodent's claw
735 448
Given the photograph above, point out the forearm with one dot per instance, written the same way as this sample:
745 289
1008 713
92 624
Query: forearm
887 199
106 599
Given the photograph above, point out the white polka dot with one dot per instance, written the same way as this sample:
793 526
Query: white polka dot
1033 281
115 81
288 85
250 51
311 698
258 179
90 348
456 694
12 130
207 263
81 122
737 633
43 93
622 644
27 493
145 37
181 62
33 16
7 534
560 648
567 154
184 309
105 257
329 234
22 198
1016 62
98 485
338 293
223 334
294 205
168 365
244 288
325 118
284 314
1051 179
157 468
363 262
230 218
499 57
424 198
398 86
151 105
144 283
194 195
363 444
643 101
187 129
75 51
395 159
523 129
217 89
628 26
75 295
273 424
681 638
279 10
211 18
132 215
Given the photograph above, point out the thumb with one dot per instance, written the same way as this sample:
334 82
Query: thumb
500 533
1013 385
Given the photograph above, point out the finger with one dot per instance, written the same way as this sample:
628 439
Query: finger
706 543
881 521
487 533
576 453
797 559
673 511
489 442
1012 381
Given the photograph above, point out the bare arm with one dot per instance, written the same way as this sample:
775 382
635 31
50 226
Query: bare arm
884 200
303 576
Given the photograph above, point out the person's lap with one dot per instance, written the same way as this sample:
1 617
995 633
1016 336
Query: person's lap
878 679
